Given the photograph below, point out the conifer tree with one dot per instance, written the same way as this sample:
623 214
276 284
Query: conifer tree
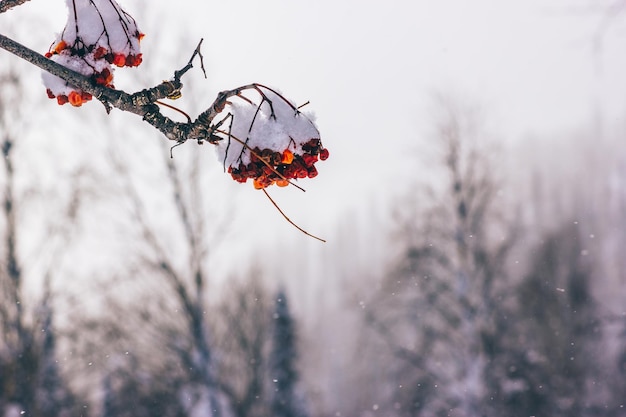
283 358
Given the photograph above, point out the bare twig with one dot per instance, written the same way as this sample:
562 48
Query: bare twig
289 220
189 65
176 109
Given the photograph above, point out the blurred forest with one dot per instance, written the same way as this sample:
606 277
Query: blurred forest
494 286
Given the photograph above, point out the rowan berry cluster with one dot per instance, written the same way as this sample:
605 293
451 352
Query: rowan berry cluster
97 36
269 140
268 167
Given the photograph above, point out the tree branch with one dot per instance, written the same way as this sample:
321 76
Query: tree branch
9 4
142 103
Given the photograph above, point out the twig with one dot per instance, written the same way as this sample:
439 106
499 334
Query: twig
182 71
169 106
289 220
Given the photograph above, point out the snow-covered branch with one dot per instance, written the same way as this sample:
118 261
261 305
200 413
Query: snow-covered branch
9 4
141 103
259 134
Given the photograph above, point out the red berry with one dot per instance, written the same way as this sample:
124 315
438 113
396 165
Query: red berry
103 78
309 159
302 173
119 60
324 154
75 99
133 60
100 52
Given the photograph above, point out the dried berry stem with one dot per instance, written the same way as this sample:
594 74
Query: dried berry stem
169 106
289 220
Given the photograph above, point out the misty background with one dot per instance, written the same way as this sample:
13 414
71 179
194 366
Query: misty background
474 205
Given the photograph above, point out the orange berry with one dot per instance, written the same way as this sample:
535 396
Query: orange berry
119 60
62 99
282 183
59 47
287 157
75 99
258 184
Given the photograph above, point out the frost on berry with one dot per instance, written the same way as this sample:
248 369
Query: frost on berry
97 36
267 139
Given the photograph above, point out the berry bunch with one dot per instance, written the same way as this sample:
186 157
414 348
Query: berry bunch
268 167
97 36
269 140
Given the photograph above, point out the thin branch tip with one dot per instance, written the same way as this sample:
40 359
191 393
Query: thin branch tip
288 219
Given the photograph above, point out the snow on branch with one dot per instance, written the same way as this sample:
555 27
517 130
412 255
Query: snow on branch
258 133
97 36
9 4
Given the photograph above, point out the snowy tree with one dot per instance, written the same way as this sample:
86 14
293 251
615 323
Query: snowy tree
286 400
437 310
182 288
551 352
